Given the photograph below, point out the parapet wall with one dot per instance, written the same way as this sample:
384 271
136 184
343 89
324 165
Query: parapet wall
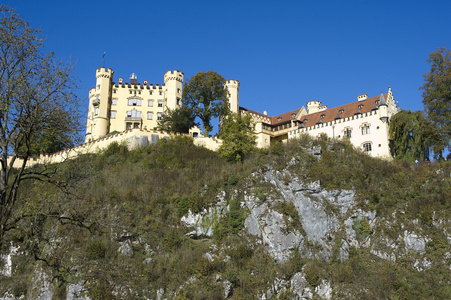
134 138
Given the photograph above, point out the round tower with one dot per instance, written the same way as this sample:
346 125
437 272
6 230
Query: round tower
233 88
313 106
173 81
98 113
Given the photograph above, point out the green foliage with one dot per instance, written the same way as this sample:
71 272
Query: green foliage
437 96
204 94
178 120
362 228
96 250
411 136
115 148
238 137
231 223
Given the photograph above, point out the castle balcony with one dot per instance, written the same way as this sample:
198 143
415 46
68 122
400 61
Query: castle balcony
133 119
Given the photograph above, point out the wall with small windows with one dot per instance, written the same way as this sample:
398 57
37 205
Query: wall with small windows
367 131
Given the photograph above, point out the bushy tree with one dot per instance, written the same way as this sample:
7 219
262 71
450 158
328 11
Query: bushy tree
206 95
411 136
180 119
238 137
437 96
37 107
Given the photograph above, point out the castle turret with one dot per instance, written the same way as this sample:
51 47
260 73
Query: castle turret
173 81
99 105
233 88
383 108
313 106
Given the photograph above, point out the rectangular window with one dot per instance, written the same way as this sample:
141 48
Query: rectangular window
367 147
113 101
96 111
161 93
160 103
159 115
150 103
113 114
133 113
149 116
150 92
134 102
114 91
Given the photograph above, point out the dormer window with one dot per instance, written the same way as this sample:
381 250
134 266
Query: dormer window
360 106
279 118
323 115
293 115
341 111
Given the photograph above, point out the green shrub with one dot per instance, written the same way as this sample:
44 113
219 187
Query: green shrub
362 228
96 250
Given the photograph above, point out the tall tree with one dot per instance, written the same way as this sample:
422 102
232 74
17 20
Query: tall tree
411 136
238 137
180 119
437 96
36 97
206 95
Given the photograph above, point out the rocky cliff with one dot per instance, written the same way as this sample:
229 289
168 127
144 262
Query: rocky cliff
311 220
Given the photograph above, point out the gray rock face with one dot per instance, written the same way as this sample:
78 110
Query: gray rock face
74 292
300 287
270 226
126 249
414 243
319 211
203 222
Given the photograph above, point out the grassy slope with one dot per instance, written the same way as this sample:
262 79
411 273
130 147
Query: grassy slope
137 198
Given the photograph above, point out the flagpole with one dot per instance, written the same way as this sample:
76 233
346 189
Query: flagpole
104 53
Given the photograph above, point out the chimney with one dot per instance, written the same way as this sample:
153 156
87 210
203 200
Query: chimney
362 97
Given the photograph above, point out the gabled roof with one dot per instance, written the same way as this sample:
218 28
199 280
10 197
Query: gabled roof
285 117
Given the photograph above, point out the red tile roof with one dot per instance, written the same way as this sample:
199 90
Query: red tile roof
330 114
348 110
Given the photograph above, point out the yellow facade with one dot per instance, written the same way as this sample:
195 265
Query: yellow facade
115 107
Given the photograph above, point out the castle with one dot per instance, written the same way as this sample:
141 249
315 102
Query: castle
117 107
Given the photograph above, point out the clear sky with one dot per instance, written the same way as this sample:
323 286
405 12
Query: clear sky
284 53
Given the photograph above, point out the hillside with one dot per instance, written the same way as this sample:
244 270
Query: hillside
308 220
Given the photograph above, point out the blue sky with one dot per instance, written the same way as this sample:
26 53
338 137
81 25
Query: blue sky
283 53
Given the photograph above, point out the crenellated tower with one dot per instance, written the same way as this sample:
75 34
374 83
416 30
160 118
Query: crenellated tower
233 88
313 106
97 124
173 81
